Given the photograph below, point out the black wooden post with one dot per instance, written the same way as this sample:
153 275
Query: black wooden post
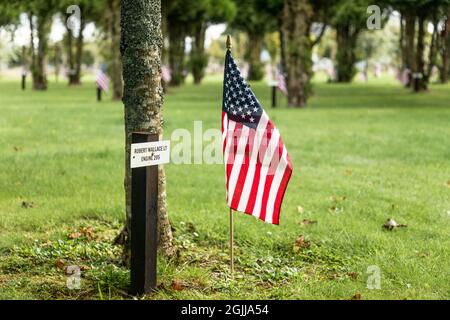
144 206
274 96
24 81
99 94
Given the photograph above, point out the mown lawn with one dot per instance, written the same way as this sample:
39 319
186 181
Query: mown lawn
362 153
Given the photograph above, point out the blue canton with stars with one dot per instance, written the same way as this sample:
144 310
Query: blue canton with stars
239 101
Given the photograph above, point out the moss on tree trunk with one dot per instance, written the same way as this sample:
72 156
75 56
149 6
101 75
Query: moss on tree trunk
140 46
297 16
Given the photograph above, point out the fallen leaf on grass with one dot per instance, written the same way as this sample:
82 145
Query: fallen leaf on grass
300 209
300 243
17 149
391 224
334 209
88 232
348 172
448 183
357 296
307 222
60 264
74 235
353 275
27 205
177 285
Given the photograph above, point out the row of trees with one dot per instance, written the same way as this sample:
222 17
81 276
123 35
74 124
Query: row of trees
301 25
40 15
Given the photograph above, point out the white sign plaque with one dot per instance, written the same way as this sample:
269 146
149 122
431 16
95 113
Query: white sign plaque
150 153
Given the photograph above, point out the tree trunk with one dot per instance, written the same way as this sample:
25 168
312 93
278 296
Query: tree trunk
445 51
296 24
402 43
346 36
199 59
176 53
70 60
140 46
40 68
253 56
282 49
420 82
79 53
410 31
116 63
32 50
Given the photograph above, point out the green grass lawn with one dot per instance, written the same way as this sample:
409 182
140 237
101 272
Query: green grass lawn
362 153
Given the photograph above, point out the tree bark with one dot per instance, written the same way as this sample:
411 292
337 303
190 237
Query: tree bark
346 36
79 53
40 66
70 57
445 51
140 46
410 31
199 59
116 63
176 53
296 24
420 82
253 56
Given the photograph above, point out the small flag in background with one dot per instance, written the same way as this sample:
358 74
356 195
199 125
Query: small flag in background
257 165
102 80
281 81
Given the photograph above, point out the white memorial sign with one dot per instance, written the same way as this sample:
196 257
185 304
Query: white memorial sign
150 153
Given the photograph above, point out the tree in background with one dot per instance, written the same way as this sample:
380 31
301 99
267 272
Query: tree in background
90 11
115 69
180 14
349 20
140 46
40 15
444 48
255 20
298 18
207 12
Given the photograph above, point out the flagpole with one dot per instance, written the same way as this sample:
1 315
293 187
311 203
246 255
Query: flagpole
231 210
231 243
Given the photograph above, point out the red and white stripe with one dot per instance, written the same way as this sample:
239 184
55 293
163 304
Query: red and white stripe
258 168
102 81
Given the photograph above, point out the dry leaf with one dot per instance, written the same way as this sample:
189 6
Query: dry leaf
348 172
60 264
27 205
300 209
88 232
353 275
357 296
177 285
74 235
300 243
448 183
307 222
391 224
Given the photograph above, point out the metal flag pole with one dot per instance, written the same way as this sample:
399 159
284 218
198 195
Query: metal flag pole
231 243
231 210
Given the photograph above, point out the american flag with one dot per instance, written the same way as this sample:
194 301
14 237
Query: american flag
102 80
281 82
257 165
